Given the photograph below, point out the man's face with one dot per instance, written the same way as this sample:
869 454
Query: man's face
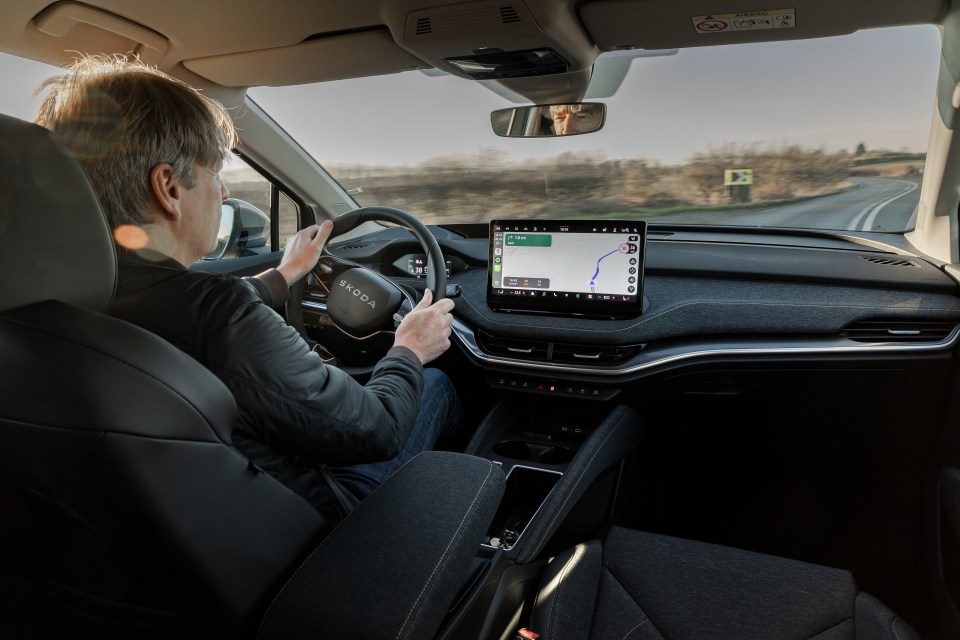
202 209
567 120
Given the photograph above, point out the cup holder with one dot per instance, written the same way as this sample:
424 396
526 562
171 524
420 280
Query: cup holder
514 449
556 455
519 450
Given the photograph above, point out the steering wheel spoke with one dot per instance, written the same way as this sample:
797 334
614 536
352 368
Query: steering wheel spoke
360 303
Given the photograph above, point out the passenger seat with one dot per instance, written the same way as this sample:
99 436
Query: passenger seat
643 586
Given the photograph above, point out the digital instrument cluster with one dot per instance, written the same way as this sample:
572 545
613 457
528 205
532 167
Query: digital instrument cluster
415 264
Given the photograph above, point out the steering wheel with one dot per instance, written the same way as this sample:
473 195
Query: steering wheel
359 302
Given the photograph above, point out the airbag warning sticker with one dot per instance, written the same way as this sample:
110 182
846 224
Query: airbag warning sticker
746 21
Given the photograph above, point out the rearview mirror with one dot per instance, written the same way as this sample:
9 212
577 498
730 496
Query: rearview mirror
546 120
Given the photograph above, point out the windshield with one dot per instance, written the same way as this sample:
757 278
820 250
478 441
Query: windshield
823 134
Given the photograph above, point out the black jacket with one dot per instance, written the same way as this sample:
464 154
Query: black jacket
294 411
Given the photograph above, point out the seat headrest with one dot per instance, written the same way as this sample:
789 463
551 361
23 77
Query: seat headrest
55 243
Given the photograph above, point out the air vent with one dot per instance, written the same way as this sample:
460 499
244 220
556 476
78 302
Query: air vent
511 348
660 235
587 354
508 15
898 331
558 352
423 27
896 262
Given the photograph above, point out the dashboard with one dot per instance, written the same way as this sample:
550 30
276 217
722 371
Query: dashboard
708 294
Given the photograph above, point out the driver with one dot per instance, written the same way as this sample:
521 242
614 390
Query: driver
575 118
152 147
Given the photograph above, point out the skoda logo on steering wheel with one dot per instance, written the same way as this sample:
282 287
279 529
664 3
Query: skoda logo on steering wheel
357 293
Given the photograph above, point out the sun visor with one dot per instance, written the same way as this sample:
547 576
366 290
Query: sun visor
80 27
665 24
318 59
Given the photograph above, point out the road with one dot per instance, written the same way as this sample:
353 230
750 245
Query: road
875 204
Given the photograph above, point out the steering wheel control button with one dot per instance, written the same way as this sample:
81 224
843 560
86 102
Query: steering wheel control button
405 308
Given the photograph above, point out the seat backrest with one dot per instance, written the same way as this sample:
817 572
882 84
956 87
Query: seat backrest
119 488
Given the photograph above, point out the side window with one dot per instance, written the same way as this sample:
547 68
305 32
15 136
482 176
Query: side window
264 216
289 218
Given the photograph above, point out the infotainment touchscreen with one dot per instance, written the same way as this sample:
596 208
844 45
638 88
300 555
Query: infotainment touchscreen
585 267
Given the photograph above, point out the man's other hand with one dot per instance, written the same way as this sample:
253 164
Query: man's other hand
303 251
426 329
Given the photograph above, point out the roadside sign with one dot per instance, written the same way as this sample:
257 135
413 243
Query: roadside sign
732 177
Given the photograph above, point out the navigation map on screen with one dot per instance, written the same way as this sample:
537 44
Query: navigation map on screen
573 265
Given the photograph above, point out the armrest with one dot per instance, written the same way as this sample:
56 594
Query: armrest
393 566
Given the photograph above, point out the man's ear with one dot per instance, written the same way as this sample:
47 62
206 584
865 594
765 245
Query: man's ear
166 190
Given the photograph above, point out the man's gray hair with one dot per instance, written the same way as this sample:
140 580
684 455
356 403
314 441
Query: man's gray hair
122 117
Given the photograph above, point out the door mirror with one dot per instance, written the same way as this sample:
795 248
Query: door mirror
243 227
547 120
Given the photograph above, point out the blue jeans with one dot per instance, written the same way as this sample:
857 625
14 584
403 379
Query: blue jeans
440 414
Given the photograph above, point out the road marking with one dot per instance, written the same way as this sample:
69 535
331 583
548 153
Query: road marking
872 215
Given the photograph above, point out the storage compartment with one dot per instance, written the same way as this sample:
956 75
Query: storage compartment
530 451
535 434
527 488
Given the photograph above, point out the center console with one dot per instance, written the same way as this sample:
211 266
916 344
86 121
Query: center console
552 443
551 453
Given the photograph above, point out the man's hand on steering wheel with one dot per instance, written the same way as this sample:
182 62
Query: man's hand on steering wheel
303 251
426 329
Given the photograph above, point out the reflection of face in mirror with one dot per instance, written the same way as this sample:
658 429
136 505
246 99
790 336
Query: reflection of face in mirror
575 118
544 120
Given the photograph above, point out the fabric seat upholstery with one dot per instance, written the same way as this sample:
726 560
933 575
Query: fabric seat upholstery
639 585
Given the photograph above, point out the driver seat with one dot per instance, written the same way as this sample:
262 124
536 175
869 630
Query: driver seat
119 492
121 496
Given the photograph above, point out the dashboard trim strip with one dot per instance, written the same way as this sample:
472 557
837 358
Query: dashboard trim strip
650 358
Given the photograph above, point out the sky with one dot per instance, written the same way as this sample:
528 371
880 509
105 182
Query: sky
875 87
21 77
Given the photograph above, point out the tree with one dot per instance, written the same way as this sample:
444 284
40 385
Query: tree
861 149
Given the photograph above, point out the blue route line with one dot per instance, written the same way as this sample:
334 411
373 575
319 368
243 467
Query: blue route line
594 276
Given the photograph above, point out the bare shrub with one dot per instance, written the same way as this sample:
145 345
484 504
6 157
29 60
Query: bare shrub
486 185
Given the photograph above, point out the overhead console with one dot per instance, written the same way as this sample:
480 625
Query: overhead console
503 41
